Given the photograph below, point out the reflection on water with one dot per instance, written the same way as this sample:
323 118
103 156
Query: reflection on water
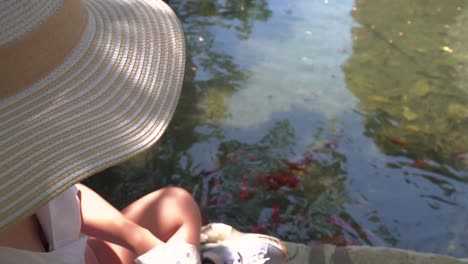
405 74
296 66
338 122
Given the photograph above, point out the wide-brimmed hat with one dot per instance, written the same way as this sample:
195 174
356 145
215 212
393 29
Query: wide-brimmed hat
84 85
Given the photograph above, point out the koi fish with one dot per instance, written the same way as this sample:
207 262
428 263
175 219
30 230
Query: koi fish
215 185
275 214
462 155
333 144
234 160
274 182
209 182
305 160
418 163
262 228
249 156
294 165
209 171
339 222
306 220
353 227
243 188
222 199
399 142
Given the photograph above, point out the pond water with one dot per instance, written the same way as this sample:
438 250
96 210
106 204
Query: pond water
320 121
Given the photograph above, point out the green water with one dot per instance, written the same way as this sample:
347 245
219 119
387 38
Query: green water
317 121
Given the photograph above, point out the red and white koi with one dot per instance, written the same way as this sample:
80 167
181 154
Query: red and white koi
275 181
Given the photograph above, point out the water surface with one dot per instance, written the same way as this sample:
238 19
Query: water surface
338 122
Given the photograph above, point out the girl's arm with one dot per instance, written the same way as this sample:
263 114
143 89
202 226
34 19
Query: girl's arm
103 221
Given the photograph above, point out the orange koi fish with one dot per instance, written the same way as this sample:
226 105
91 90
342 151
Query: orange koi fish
294 165
399 142
418 163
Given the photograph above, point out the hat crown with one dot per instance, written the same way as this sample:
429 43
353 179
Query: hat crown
18 17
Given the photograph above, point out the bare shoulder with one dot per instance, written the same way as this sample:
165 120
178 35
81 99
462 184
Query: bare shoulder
26 235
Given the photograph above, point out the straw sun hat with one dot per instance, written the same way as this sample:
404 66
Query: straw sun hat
83 85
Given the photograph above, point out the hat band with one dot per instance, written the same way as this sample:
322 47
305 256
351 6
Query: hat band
28 59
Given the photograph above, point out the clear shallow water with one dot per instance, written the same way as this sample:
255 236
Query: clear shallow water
337 122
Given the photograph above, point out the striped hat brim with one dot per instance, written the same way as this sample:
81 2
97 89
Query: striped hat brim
111 97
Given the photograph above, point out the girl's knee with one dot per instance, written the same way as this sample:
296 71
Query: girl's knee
178 194
175 190
180 206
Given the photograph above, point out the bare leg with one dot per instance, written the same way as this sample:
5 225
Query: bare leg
169 214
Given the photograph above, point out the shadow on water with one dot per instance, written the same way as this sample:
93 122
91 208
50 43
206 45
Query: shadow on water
388 171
